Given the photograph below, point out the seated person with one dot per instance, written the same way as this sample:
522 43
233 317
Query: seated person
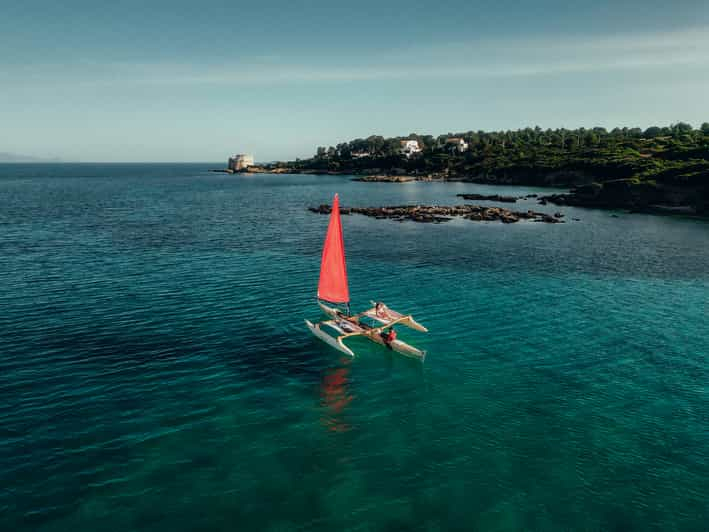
381 311
388 337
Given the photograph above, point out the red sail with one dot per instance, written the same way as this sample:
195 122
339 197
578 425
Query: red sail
333 271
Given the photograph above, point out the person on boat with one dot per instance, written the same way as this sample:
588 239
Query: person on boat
380 310
389 337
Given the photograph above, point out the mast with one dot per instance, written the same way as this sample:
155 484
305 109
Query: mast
333 286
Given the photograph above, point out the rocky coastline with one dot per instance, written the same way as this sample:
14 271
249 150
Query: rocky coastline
629 194
440 213
633 196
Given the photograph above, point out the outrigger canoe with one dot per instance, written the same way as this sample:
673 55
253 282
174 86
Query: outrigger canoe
333 288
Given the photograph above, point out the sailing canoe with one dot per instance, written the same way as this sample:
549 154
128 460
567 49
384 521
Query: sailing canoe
333 288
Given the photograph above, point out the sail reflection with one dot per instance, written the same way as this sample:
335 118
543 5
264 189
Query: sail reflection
335 396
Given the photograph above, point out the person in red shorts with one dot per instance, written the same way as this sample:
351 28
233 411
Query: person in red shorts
389 337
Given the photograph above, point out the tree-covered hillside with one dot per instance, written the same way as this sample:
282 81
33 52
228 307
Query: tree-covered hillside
663 164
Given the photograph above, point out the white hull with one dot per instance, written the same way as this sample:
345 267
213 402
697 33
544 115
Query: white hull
410 322
400 347
328 339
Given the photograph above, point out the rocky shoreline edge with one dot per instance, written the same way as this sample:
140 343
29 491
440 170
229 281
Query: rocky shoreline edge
620 194
440 213
626 194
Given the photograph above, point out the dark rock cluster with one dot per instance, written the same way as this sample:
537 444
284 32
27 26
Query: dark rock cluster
440 213
385 179
493 197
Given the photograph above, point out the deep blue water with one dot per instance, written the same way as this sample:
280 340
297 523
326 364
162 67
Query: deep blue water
155 372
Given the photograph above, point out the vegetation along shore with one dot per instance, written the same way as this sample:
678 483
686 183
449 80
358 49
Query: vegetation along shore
659 169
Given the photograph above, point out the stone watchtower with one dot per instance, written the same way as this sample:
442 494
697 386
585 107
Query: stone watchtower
240 161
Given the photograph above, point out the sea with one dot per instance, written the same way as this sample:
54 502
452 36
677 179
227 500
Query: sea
156 373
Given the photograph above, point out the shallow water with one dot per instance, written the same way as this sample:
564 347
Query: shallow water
155 372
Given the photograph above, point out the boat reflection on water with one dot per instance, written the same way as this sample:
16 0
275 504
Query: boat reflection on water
335 396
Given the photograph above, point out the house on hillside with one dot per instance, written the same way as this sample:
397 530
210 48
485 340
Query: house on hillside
409 147
456 144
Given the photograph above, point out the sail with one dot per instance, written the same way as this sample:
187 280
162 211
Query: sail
333 271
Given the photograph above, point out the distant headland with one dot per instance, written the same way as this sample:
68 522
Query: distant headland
7 157
658 169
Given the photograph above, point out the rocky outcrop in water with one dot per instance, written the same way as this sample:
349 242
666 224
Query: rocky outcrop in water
493 197
400 176
440 213
385 179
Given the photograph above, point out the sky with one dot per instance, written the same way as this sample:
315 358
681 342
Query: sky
198 81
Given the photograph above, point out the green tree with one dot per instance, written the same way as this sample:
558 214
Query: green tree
344 150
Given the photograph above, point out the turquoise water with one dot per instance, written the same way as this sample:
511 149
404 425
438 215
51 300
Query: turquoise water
155 372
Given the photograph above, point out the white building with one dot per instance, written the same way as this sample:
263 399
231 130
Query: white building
240 161
456 143
410 147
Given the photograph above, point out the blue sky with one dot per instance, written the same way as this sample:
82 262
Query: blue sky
196 81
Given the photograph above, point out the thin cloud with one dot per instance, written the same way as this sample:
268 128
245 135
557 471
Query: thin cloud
490 59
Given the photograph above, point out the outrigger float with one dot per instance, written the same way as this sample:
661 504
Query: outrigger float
333 289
